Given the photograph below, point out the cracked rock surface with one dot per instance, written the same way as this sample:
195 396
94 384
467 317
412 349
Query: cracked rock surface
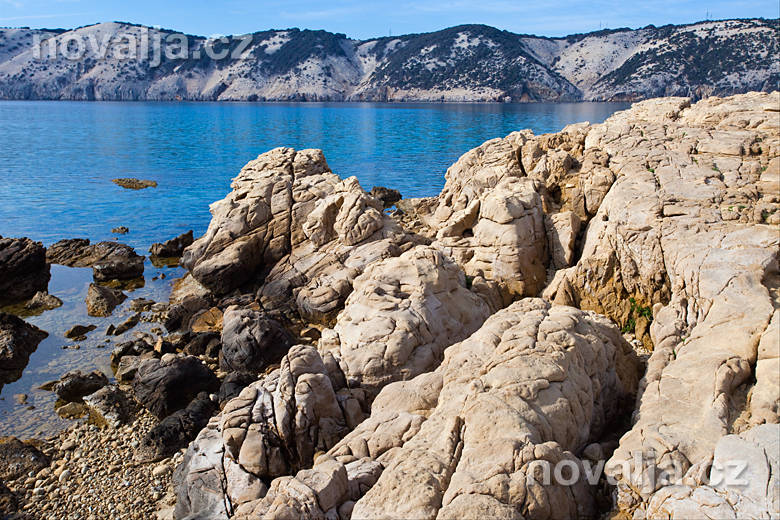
295 227
536 382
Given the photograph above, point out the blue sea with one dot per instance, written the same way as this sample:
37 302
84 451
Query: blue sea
57 160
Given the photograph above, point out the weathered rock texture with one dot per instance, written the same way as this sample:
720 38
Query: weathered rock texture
295 227
23 269
402 314
101 301
273 428
664 218
743 481
535 383
251 341
689 229
173 247
168 384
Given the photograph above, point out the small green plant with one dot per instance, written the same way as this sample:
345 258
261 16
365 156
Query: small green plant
651 170
469 281
637 311
630 326
715 168
695 161
741 206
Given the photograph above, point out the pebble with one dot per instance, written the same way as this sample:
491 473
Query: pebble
160 470
92 477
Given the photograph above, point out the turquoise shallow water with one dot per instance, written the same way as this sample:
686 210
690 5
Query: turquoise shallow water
57 160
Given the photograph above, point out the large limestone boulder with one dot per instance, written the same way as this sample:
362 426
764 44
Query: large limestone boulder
743 481
402 314
294 226
512 209
23 270
683 251
533 386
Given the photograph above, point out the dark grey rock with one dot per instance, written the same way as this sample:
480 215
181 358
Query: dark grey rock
18 339
387 196
76 384
110 405
23 269
177 430
172 248
168 384
251 341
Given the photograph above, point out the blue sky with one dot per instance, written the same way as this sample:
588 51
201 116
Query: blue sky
366 18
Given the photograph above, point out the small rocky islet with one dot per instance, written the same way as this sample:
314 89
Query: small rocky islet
604 292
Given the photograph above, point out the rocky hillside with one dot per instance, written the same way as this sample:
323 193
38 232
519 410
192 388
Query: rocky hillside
112 61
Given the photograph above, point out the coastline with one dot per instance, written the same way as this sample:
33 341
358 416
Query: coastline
526 235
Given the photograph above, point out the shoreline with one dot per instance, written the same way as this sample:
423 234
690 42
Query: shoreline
344 348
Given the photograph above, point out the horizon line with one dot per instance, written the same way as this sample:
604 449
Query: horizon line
599 31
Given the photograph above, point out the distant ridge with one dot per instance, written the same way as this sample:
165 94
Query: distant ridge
463 63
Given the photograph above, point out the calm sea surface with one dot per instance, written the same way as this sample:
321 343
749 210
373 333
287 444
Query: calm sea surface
57 160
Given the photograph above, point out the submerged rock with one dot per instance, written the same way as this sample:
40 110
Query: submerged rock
18 339
23 270
79 332
131 183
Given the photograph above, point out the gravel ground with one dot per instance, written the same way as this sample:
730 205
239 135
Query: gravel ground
93 477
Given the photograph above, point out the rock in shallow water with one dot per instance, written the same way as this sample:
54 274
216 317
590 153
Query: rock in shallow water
18 339
131 183
76 384
173 247
23 270
109 260
101 301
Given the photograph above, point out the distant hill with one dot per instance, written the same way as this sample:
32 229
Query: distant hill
464 63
